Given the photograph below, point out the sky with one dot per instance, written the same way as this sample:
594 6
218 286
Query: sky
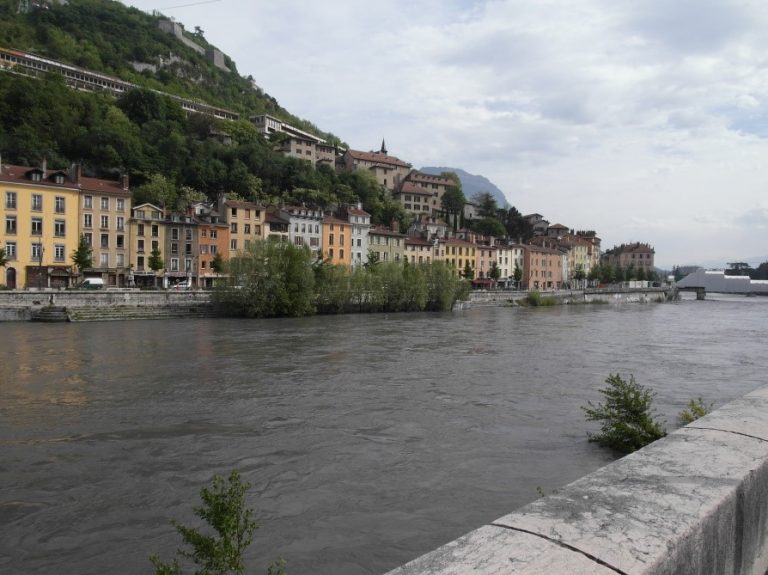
642 120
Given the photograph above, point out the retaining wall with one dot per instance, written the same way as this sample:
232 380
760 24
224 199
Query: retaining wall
618 295
695 502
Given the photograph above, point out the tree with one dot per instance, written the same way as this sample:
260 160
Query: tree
626 418
518 275
489 227
486 205
155 261
579 274
695 409
217 263
453 199
738 269
468 272
82 257
3 257
495 272
224 511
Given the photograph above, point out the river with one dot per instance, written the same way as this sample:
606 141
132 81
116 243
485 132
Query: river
368 439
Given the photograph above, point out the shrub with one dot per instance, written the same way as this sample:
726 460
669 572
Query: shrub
695 409
224 510
626 421
535 299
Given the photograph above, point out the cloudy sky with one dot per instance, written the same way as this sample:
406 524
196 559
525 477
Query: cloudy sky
643 120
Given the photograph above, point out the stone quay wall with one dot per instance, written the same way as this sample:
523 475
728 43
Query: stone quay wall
695 502
21 305
607 295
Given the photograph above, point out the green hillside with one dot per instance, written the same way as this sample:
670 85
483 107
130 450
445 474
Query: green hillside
170 157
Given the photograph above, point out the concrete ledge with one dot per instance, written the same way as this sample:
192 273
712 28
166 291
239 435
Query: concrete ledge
694 502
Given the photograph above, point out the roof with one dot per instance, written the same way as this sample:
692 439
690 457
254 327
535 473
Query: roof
558 227
244 205
20 175
382 231
334 220
357 212
411 241
378 158
413 188
457 242
417 176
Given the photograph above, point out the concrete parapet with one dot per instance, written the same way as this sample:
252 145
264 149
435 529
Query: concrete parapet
695 502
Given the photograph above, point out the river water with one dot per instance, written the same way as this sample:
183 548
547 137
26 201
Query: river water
368 439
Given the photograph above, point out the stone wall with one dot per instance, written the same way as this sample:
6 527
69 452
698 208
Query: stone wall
695 502
618 295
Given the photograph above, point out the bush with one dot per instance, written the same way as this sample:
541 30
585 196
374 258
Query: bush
626 421
694 410
535 299
224 510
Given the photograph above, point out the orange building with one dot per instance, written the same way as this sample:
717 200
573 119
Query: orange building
542 268
337 241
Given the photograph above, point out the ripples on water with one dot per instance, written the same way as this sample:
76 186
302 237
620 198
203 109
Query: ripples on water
368 439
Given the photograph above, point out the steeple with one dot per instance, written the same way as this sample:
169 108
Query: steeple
383 147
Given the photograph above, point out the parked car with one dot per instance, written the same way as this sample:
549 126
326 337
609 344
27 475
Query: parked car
92 283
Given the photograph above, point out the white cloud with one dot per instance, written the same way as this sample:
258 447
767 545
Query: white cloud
642 119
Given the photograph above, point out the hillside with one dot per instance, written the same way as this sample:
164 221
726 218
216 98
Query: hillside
109 37
472 184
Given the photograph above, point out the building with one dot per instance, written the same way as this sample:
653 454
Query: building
212 241
418 250
182 248
304 227
40 211
337 240
245 221
276 225
486 257
147 234
538 224
542 268
360 222
461 255
104 211
422 194
295 143
386 245
388 170
637 256
509 257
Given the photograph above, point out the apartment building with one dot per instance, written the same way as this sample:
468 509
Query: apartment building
418 250
104 211
386 245
337 240
304 227
276 226
486 257
39 213
461 255
246 224
212 241
360 222
415 199
636 255
182 248
147 235
296 143
542 268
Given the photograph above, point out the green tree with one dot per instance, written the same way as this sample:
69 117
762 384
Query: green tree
693 411
444 288
579 274
626 417
155 262
217 263
159 190
219 553
3 257
518 275
468 272
495 272
453 199
486 205
82 257
489 227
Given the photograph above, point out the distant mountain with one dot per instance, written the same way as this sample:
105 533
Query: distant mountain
471 183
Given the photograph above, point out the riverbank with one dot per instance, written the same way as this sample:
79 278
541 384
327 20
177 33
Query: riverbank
126 304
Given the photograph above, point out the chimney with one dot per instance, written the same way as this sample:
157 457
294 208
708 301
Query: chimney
123 179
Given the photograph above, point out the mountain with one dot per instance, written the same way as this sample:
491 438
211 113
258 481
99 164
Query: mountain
471 184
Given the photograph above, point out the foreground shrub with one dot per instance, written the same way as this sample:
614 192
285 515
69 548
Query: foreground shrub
225 512
626 418
535 299
695 409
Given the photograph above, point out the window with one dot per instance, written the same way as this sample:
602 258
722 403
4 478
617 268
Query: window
140 214
104 203
330 253
341 253
104 240
247 228
155 245
140 246
188 265
233 244
10 200
233 212
59 228
140 230
120 223
10 250
203 249
188 234
247 214
140 262
88 238
88 221
341 240
233 227
37 226
174 264
120 260
257 230
88 202
104 260
104 222
187 249
214 249
59 204
10 225
174 248
175 234
246 244
155 230
58 252
37 202
120 242
330 240
314 242
120 205
214 234
37 251
203 264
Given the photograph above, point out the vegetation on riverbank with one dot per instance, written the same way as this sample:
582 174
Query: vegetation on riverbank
695 409
278 279
225 512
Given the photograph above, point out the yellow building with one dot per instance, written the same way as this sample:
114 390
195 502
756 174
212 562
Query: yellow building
39 211
246 222
460 254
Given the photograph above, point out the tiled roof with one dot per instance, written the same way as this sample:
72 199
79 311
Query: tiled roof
334 220
245 205
417 176
378 158
382 231
357 212
18 175
410 241
412 188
